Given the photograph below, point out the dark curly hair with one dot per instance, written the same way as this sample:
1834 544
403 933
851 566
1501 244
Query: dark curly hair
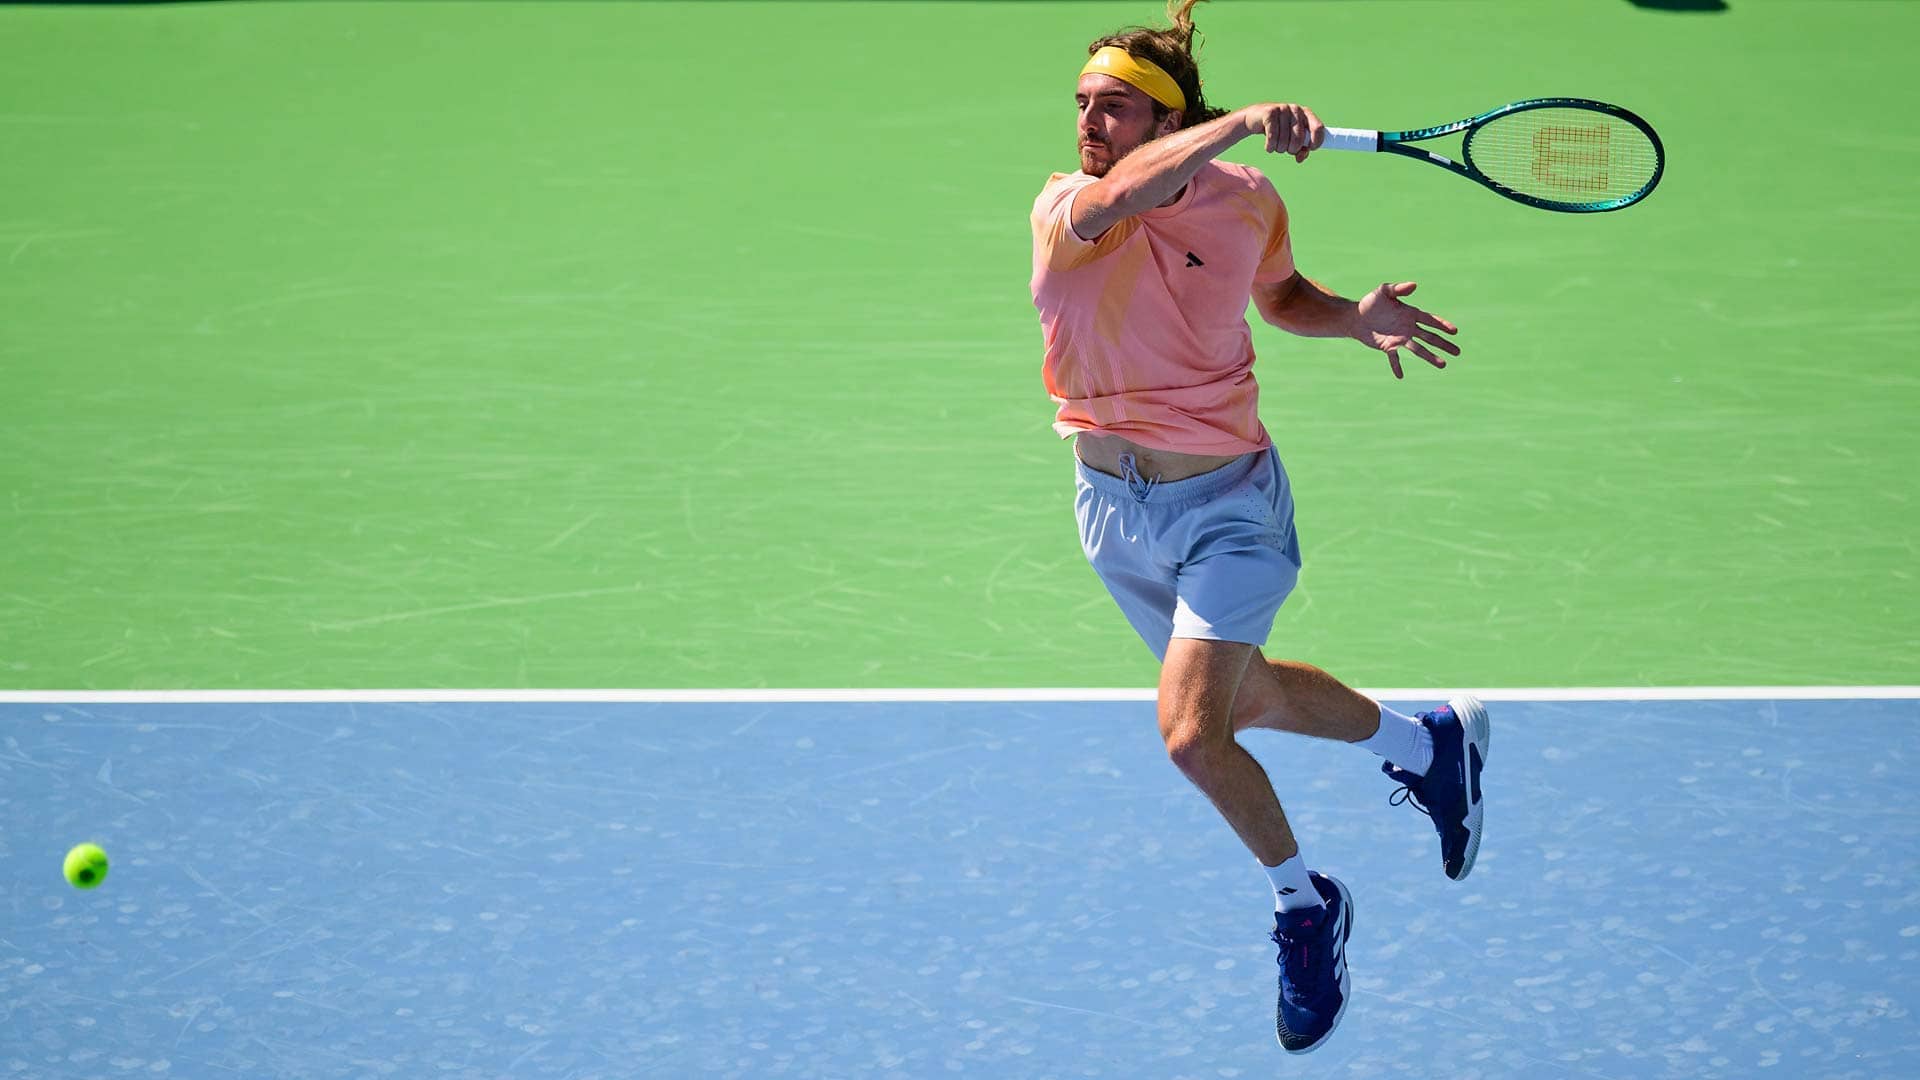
1172 50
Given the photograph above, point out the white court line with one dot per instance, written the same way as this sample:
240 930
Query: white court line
277 697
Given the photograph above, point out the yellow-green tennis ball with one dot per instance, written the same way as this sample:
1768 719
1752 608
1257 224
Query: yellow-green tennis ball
86 866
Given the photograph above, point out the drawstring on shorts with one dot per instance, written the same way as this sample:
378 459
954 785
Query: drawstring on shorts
1138 486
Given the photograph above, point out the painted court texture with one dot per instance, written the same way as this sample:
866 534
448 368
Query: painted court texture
835 889
687 346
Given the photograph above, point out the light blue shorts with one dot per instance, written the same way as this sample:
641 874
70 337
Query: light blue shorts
1212 556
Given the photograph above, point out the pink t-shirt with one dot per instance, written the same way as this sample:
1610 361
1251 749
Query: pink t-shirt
1146 328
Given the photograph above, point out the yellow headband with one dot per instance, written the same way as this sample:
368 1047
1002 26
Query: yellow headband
1132 70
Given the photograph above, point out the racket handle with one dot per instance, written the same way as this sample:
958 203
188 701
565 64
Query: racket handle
1351 139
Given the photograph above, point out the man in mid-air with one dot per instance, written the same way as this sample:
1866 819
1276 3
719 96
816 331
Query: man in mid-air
1144 261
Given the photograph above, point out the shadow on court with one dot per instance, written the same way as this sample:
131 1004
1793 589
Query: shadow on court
1681 5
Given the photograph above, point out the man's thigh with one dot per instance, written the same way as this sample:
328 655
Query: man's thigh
1199 680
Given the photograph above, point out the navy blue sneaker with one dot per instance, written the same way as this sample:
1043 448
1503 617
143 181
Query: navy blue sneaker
1313 967
1450 792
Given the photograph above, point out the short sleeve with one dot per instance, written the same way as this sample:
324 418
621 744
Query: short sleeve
1276 261
1055 245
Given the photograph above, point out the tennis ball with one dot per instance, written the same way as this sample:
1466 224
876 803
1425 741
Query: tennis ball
86 866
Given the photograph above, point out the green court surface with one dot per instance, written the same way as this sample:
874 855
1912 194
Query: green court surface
688 345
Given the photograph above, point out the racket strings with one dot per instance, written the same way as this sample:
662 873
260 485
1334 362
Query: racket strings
1564 155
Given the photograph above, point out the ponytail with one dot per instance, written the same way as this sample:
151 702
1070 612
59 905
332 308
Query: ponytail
1172 50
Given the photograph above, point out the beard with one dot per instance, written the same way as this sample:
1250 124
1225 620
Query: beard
1096 159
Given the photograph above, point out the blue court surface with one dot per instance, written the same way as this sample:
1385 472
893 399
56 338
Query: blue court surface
1671 889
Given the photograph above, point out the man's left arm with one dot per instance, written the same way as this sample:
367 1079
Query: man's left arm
1378 320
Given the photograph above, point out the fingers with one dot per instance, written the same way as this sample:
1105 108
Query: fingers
1425 318
1428 318
1311 134
1396 325
1421 351
1437 341
1293 130
1279 123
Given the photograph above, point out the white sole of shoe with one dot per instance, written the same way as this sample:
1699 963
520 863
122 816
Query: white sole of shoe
1476 729
1344 929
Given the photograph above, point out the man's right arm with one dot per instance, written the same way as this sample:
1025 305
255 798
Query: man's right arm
1158 170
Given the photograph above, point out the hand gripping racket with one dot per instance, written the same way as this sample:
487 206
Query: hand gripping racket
1566 154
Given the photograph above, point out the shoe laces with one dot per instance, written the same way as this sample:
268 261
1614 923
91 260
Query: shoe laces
1408 793
1301 979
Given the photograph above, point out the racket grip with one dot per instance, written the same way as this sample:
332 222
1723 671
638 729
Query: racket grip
1351 139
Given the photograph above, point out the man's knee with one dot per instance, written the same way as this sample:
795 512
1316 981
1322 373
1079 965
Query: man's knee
1193 743
1198 685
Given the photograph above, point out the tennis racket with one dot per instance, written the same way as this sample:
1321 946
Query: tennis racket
1566 154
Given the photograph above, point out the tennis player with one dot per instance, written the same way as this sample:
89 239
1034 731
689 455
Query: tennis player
1144 261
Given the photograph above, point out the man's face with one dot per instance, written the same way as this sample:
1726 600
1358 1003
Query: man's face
1115 118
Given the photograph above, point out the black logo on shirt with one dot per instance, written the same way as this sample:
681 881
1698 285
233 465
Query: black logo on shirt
1194 260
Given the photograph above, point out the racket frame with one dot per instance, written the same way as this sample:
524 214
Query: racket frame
1395 142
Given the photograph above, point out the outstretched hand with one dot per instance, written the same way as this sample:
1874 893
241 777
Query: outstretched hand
1387 324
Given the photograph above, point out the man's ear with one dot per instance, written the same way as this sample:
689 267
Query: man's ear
1172 121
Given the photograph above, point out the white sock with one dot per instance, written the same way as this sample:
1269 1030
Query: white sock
1292 888
1403 741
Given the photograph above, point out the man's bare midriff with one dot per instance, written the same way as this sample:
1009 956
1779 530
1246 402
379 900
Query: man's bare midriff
1103 452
